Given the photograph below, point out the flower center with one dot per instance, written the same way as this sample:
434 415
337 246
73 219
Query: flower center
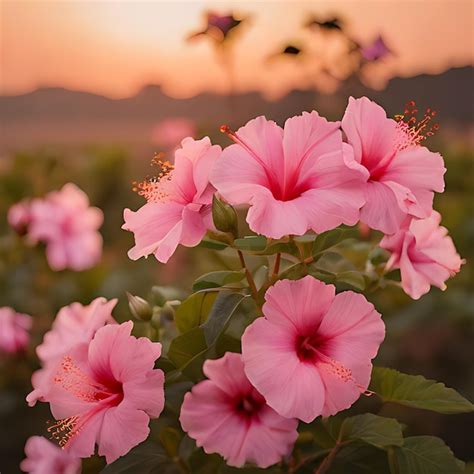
308 348
249 405
283 187
75 381
100 395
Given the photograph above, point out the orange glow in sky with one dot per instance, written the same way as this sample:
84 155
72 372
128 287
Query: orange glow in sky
116 47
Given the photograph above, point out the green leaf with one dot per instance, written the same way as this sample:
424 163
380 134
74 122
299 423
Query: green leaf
375 430
193 311
359 459
186 346
417 392
147 458
188 351
252 243
223 309
217 279
330 239
212 244
174 395
352 278
424 455
170 439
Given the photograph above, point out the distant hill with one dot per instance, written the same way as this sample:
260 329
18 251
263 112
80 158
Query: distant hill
60 116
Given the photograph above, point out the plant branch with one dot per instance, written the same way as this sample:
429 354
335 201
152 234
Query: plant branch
248 275
276 268
327 461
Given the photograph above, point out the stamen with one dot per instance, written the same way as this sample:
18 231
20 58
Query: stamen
236 139
64 430
75 381
156 188
335 367
412 131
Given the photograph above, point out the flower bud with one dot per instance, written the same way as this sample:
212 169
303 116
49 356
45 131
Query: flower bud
139 307
224 216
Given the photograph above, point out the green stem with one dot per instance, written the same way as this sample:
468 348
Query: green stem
248 275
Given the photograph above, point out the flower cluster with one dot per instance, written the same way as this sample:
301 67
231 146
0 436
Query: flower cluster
305 177
309 350
66 223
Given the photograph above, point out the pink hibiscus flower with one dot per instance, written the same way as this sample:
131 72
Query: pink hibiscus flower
14 331
311 353
403 174
19 217
74 325
69 227
294 179
226 415
179 200
106 393
424 253
44 457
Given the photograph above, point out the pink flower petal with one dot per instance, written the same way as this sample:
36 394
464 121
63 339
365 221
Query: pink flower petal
122 429
290 304
150 225
369 131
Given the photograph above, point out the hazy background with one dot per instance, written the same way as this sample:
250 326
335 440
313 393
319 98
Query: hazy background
85 85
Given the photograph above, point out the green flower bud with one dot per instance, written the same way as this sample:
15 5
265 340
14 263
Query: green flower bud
224 217
139 307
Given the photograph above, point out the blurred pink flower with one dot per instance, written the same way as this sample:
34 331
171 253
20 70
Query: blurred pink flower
14 331
106 393
424 253
403 174
74 325
44 457
170 132
68 225
226 415
294 179
376 50
19 217
311 353
178 208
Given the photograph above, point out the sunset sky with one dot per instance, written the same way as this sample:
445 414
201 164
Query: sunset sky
114 48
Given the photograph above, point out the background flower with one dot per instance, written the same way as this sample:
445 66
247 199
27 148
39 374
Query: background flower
68 225
44 457
14 330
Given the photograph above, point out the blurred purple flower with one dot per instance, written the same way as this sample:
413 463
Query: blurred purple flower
376 50
218 27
